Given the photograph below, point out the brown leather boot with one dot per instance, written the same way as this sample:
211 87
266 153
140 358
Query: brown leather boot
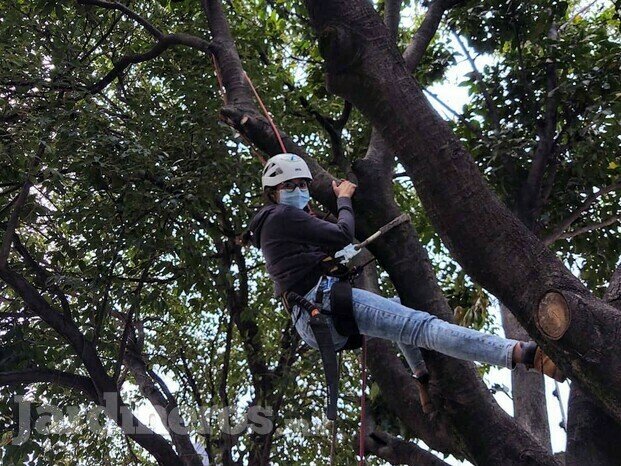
535 359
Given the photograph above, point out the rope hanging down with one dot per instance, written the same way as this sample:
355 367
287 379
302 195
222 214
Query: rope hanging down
363 398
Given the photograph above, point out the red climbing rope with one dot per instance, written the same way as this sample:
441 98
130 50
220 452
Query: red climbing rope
363 398
224 99
219 76
267 115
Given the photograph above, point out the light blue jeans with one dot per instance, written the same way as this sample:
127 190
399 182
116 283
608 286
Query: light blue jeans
388 319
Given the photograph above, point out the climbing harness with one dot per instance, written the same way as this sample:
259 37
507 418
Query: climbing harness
337 278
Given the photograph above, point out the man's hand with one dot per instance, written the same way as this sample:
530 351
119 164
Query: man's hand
344 188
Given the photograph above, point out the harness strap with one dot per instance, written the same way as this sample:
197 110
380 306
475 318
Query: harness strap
320 326
363 399
342 309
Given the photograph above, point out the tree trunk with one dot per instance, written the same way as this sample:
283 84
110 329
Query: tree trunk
492 245
592 435
527 388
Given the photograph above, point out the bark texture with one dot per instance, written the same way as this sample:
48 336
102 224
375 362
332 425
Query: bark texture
492 245
527 388
592 435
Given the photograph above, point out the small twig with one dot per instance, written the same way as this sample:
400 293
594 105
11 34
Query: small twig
465 122
127 12
578 13
590 227
570 219
491 107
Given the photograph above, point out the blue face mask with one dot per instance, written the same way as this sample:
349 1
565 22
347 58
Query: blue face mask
297 198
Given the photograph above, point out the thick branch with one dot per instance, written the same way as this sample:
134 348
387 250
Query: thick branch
402 399
160 47
44 375
103 384
378 152
398 451
414 52
9 233
165 408
592 435
392 16
237 91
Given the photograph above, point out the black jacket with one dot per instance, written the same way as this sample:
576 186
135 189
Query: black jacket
294 243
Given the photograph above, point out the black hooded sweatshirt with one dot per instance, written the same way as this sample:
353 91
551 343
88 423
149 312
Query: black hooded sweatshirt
294 243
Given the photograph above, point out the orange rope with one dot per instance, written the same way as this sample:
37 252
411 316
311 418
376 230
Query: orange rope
219 76
363 398
267 115
223 94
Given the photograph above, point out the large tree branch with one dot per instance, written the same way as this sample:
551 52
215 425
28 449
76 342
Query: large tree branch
592 435
403 399
398 451
104 386
238 93
491 244
529 202
9 233
377 152
392 16
43 375
165 407
163 44
416 49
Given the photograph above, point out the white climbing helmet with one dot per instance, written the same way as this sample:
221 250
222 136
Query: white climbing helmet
284 167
